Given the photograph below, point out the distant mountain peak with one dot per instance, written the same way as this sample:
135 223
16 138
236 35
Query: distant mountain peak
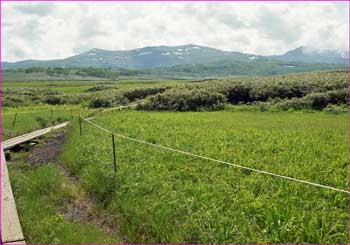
188 54
312 50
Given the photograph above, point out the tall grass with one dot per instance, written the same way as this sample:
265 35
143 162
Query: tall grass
163 196
40 195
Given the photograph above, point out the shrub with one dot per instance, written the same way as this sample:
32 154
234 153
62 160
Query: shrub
13 101
294 103
336 109
42 121
142 93
185 100
98 88
54 100
238 93
338 97
100 102
317 100
61 119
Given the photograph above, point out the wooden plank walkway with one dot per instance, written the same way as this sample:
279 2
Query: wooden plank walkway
32 135
11 231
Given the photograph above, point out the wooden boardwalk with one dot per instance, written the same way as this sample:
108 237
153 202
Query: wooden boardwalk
11 231
32 135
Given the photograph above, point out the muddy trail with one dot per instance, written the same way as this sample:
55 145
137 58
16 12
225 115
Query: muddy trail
49 151
81 207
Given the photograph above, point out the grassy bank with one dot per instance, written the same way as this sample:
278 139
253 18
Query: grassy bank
41 196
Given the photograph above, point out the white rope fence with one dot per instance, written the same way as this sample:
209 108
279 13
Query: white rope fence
35 111
88 120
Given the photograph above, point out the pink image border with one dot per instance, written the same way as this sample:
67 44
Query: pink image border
237 1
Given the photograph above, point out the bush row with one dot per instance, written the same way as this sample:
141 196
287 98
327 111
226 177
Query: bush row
312 92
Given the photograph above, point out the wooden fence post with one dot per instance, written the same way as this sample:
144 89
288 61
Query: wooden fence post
114 155
14 120
81 131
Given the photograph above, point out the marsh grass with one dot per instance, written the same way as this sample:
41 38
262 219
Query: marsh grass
40 195
166 197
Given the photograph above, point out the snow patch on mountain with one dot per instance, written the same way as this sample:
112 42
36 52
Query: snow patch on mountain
144 53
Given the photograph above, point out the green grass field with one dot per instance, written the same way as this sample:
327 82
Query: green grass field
162 196
292 125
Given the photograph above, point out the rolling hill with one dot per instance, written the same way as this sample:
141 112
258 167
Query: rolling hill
167 56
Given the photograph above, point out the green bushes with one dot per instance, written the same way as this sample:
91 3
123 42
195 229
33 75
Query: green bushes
98 88
100 102
316 101
104 100
238 93
302 91
307 91
43 122
185 100
338 97
142 93
9 101
336 108
54 100
14 97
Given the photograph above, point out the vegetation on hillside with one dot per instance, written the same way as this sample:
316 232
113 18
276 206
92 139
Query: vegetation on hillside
243 68
218 69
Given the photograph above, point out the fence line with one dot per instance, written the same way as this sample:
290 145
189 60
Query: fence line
48 109
88 120
23 112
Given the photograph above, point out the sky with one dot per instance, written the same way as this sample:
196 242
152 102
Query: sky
43 30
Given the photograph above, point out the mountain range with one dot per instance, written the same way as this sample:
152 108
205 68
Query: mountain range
157 57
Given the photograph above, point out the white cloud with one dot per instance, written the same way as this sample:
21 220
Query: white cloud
42 30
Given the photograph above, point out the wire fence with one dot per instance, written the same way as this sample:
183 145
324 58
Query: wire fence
113 135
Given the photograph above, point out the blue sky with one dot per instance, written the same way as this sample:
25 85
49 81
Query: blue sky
42 30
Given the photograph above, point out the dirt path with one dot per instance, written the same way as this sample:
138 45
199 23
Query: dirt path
80 208
49 151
